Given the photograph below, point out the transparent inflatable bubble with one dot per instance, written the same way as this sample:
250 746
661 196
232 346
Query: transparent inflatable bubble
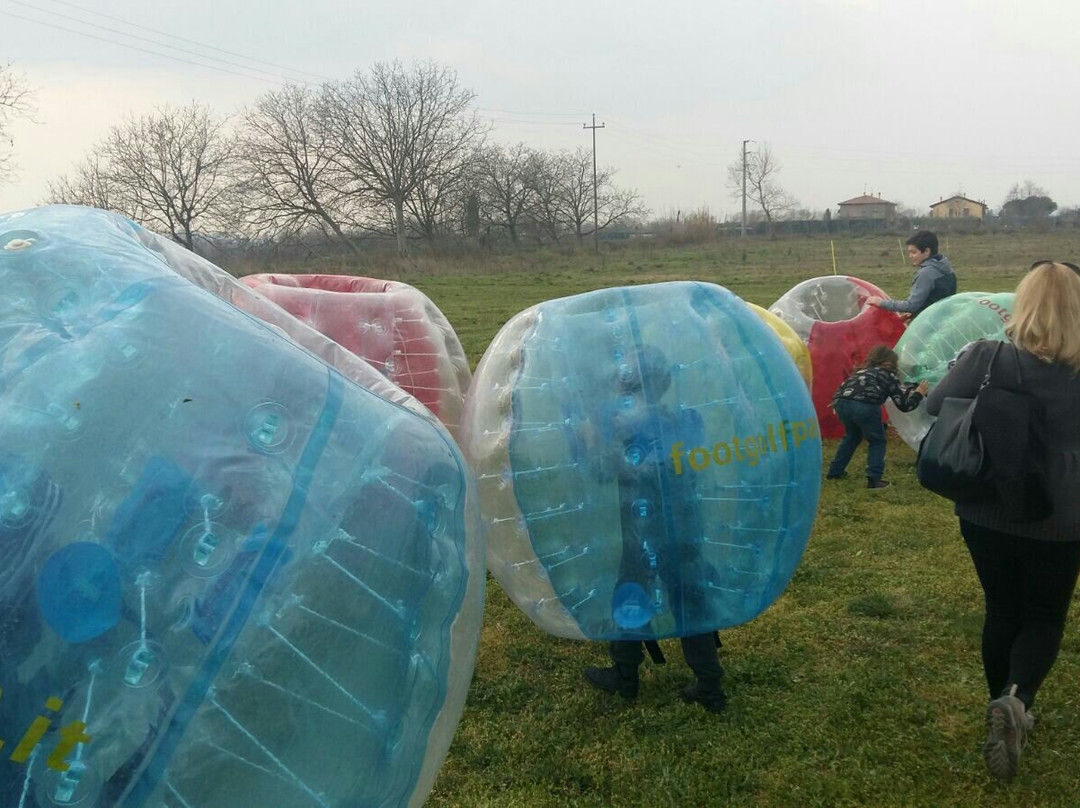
392 325
830 315
648 461
795 347
205 275
196 605
933 341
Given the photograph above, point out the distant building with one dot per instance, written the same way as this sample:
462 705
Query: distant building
867 207
958 207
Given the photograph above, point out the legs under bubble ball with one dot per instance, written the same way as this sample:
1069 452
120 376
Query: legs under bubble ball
648 462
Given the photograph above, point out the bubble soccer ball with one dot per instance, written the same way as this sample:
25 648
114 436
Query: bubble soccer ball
792 344
221 284
648 461
831 316
196 605
392 325
934 339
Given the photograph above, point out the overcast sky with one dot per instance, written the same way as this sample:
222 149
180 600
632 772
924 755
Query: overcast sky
913 100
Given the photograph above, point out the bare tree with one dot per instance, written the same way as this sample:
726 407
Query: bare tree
761 186
545 211
438 205
91 185
576 191
574 174
397 129
285 170
508 186
169 170
1022 190
1027 199
16 101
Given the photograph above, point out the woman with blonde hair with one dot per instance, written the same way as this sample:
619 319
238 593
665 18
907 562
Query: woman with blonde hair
1027 567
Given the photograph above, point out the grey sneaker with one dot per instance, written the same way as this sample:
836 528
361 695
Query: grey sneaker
1029 721
1007 722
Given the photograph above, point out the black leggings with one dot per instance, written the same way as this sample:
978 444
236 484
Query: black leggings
1028 586
698 650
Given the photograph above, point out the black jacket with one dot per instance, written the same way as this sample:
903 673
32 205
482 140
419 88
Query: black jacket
1012 425
873 386
1056 393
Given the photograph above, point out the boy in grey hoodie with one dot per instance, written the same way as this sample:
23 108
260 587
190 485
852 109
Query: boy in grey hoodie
934 280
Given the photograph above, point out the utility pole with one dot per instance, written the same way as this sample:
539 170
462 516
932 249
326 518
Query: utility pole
744 187
595 204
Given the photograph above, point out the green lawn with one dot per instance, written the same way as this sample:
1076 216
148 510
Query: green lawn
861 685
479 294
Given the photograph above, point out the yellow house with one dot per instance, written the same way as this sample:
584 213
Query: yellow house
958 207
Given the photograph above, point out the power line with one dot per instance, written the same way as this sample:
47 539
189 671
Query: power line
666 137
685 157
894 162
875 158
519 112
674 150
189 41
930 172
528 123
742 233
835 154
709 154
595 204
135 47
153 42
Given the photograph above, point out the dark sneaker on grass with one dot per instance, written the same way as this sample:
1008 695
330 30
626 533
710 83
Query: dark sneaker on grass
1029 721
839 476
1007 723
712 699
877 485
611 680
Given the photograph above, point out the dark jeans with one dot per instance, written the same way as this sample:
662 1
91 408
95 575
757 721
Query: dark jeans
1028 586
698 650
860 420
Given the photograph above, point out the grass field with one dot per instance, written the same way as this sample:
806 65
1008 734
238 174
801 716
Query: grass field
861 685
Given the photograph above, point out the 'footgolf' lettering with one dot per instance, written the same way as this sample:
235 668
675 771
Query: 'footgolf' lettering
780 437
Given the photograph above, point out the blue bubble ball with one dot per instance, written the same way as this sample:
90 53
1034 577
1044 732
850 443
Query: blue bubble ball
648 461
232 575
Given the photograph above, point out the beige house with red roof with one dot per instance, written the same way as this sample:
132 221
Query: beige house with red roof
956 207
866 207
